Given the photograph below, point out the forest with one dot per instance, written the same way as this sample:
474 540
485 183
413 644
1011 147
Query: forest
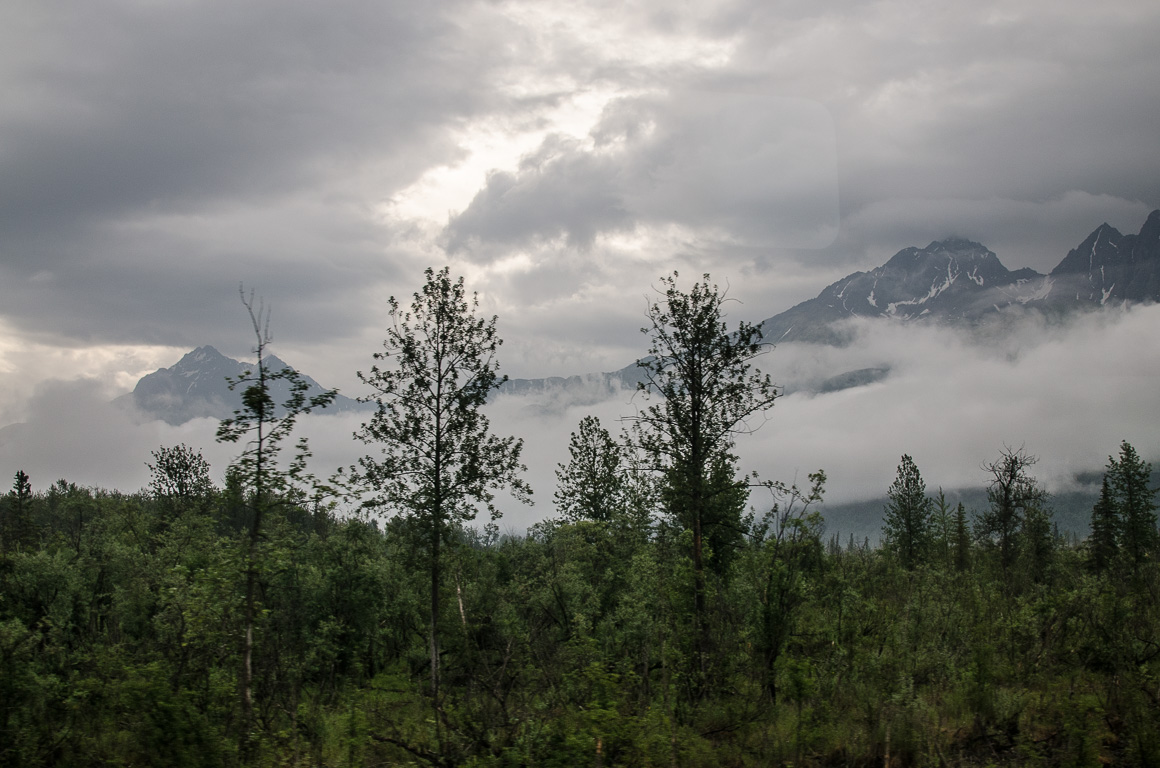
674 612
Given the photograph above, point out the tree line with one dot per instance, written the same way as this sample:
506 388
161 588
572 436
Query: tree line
661 618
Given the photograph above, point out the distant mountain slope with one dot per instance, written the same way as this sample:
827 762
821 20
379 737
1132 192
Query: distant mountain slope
196 387
961 283
950 281
1109 267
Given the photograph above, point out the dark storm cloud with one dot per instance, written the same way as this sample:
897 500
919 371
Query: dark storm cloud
155 155
111 107
130 131
1011 105
165 282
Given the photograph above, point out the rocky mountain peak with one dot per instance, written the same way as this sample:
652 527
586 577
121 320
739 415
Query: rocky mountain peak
1111 267
202 357
1150 232
960 281
196 386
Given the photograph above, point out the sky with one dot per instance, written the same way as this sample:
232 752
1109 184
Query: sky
562 158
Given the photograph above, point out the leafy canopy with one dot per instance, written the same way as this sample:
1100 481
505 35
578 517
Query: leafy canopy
437 456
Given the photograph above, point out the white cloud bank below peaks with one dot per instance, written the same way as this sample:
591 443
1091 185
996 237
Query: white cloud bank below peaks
1068 393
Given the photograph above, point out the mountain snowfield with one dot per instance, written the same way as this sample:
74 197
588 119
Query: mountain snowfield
942 353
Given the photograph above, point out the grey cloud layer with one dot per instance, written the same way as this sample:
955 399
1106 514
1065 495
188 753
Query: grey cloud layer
153 156
136 136
745 166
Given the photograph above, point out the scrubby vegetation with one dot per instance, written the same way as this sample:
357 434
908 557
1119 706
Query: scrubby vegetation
122 618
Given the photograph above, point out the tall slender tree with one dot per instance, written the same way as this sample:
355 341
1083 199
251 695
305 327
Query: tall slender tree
437 459
707 392
16 513
1103 544
907 521
962 537
1038 539
257 474
1128 479
942 527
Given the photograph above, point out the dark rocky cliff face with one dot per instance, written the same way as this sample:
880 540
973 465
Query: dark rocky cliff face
1111 267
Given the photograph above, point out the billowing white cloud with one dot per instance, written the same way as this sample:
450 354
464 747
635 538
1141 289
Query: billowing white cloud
1069 394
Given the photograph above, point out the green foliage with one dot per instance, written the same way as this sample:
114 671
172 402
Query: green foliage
257 484
1134 503
1104 542
592 485
180 475
1015 497
907 522
962 539
16 527
119 645
437 458
436 454
123 618
707 393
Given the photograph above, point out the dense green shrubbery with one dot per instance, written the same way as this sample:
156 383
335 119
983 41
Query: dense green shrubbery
121 620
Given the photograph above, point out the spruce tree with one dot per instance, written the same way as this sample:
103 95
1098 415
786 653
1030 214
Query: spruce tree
1038 538
591 486
1135 503
1103 544
907 521
962 539
16 514
942 528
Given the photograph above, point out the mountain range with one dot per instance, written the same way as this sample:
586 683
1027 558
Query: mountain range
960 282
197 386
953 282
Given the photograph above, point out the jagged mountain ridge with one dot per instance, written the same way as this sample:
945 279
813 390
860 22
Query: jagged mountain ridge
196 387
950 281
954 282
1109 266
961 283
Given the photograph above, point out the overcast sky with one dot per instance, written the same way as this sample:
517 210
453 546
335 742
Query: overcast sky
561 156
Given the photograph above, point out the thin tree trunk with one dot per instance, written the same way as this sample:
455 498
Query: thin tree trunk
436 541
247 653
247 692
434 645
699 610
